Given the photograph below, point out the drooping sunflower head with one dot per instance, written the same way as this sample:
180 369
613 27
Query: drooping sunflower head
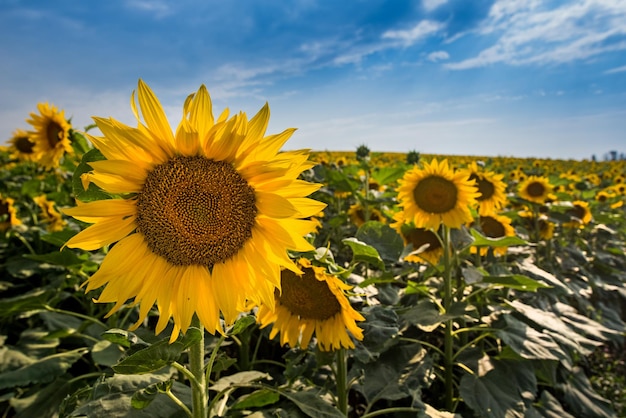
208 215
49 215
312 302
425 244
579 213
495 226
21 147
536 189
8 214
51 135
359 214
436 194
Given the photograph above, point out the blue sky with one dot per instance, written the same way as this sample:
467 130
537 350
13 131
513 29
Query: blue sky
525 78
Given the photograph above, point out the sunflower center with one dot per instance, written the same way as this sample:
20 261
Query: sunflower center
24 145
419 237
435 194
485 187
307 297
535 189
193 210
491 227
577 211
54 134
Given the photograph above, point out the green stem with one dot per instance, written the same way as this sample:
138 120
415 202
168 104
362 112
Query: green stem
341 378
179 403
199 396
448 336
216 349
390 411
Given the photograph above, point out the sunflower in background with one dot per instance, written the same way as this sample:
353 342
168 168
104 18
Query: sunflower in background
425 243
312 302
494 226
358 216
536 189
436 194
51 135
21 147
209 212
579 213
491 188
49 215
8 214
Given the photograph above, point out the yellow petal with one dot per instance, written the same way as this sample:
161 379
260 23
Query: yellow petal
102 233
92 212
153 114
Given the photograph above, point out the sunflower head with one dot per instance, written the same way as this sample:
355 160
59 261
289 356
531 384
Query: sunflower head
21 147
536 189
51 135
495 226
425 243
312 302
49 215
201 218
436 194
8 214
579 213
359 214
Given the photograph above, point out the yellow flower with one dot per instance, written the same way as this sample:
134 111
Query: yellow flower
313 301
535 189
8 214
424 242
546 228
51 136
21 147
490 187
580 214
207 217
495 226
357 215
435 194
53 219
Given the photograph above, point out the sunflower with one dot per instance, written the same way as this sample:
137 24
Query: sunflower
51 136
53 219
535 189
21 147
490 187
495 226
435 194
8 214
546 228
424 242
579 213
357 214
207 217
313 301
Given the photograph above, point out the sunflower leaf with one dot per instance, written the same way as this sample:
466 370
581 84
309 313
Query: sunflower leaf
257 399
151 359
362 252
482 241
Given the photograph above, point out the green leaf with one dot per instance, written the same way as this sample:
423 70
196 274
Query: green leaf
41 371
528 342
362 252
65 258
549 406
58 238
150 359
312 404
501 391
237 379
93 192
79 143
122 337
30 301
144 397
241 324
482 241
515 281
527 268
257 399
580 396
384 239
45 401
105 353
379 331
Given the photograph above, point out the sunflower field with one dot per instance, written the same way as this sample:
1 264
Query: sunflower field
203 271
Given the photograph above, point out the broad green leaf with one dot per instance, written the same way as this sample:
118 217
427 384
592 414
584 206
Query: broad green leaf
150 359
362 252
426 315
93 192
312 404
482 241
388 175
144 397
527 268
579 396
41 371
241 324
528 342
105 353
65 258
30 301
503 391
549 406
515 281
256 399
58 238
387 242
46 401
379 331
237 379
79 143
122 337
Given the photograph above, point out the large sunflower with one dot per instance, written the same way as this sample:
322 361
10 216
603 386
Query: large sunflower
207 217
51 136
435 194
313 301
536 189
8 214
21 147
491 189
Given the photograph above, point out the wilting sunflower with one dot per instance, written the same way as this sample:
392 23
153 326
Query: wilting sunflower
579 213
435 194
51 136
424 242
313 301
535 189
21 147
49 215
495 226
357 214
8 214
491 189
207 217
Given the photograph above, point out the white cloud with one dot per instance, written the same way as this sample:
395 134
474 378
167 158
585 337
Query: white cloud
430 5
529 33
616 70
438 56
418 32
158 8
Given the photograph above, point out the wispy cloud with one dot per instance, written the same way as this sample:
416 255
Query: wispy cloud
158 8
616 70
526 32
418 32
438 56
430 5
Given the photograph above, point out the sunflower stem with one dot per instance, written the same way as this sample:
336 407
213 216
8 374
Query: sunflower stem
448 336
341 378
199 396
